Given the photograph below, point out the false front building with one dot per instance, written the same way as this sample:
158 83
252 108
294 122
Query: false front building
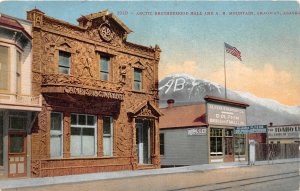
202 133
100 98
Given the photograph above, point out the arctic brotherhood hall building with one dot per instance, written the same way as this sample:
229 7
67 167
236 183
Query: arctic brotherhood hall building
99 97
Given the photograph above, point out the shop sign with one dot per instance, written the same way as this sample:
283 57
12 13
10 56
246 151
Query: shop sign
197 131
292 131
218 114
250 129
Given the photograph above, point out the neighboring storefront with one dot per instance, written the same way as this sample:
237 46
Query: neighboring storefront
284 134
100 97
18 105
203 133
223 116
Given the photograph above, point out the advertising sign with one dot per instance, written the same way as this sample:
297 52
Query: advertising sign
197 131
287 132
219 114
251 129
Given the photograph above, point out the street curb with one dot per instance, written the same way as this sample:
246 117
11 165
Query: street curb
46 181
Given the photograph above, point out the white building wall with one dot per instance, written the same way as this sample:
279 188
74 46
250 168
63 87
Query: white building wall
23 97
26 70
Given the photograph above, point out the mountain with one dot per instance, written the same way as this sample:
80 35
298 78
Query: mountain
185 90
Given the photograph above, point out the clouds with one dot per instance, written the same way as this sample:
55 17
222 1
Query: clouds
265 81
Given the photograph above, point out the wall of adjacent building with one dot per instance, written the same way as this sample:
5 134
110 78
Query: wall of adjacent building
183 149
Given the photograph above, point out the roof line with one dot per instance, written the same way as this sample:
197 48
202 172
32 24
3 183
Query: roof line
11 17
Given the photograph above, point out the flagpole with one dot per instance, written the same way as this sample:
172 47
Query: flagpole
225 74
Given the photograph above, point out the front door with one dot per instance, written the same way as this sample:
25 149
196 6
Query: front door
17 151
17 155
229 145
143 140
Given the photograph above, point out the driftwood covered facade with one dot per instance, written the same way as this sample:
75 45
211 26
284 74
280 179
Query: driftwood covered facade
100 97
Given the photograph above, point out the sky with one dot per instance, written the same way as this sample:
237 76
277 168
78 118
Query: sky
268 38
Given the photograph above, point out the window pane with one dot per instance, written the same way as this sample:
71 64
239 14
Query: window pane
88 131
16 144
64 70
107 146
137 86
239 145
229 132
137 75
55 146
73 119
83 142
17 122
75 141
3 67
106 125
18 74
90 120
64 59
219 146
81 120
104 76
104 64
75 131
56 121
213 146
88 142
162 143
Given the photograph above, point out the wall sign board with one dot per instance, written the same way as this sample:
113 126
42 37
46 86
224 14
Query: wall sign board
290 132
219 114
197 131
250 129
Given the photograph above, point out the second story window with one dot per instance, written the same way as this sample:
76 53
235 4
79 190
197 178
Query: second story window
137 79
104 67
64 62
3 68
18 74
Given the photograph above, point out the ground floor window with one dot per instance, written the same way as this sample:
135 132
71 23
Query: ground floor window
17 121
143 140
107 136
216 142
56 135
162 143
240 144
83 135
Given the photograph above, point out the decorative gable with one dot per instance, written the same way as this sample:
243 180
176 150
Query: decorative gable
145 109
104 26
139 65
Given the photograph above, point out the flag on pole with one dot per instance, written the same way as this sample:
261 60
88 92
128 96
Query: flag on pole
233 51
